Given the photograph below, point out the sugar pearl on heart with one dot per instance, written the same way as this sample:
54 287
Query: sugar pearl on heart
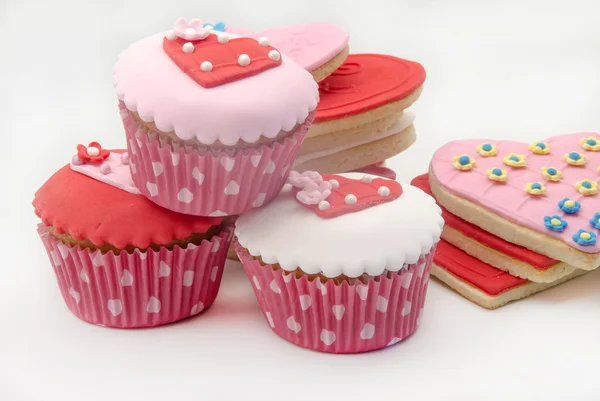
76 160
125 158
171 35
188 47
324 205
93 151
366 179
350 199
105 168
383 191
263 41
223 39
334 184
274 55
206 66
244 60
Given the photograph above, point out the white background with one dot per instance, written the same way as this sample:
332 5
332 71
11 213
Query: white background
512 69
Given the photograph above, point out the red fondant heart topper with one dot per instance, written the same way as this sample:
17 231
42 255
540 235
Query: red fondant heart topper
217 60
335 195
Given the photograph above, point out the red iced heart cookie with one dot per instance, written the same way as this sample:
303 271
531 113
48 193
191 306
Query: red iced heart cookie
367 81
217 60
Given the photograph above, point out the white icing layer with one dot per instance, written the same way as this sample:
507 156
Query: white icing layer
407 119
380 238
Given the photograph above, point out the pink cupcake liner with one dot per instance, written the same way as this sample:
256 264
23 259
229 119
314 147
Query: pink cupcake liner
142 289
346 318
210 182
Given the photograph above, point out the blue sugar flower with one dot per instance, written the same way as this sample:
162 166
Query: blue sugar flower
555 223
219 26
595 221
585 238
569 206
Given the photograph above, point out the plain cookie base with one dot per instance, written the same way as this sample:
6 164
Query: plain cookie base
487 301
504 262
357 134
361 156
356 120
325 70
510 231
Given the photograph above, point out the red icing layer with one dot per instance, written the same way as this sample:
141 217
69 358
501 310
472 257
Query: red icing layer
539 262
488 279
365 82
222 56
75 204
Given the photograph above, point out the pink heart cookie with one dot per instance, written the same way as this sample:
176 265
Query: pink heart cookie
491 189
309 45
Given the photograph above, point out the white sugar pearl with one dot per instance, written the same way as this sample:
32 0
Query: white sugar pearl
188 47
350 199
105 168
324 205
190 31
244 60
383 191
334 184
171 35
263 41
93 151
76 160
206 66
366 179
125 158
223 39
274 55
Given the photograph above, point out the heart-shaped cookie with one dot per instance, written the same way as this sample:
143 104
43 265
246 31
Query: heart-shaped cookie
542 195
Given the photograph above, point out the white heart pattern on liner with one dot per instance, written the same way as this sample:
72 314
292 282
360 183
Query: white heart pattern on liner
84 277
321 286
188 278
157 168
255 160
256 283
55 258
363 291
63 250
270 167
227 163
367 332
152 188
126 279
338 311
394 341
287 277
274 287
420 269
197 175
406 280
142 255
213 273
382 304
97 260
153 305
293 325
185 196
175 159
75 295
260 199
197 308
164 270
328 337
216 246
114 306
406 309
233 188
270 319
132 147
305 302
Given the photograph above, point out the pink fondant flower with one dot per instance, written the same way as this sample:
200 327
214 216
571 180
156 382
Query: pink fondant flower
92 153
193 30
314 193
300 180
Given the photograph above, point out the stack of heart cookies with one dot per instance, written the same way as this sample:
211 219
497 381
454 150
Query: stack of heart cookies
520 218
361 119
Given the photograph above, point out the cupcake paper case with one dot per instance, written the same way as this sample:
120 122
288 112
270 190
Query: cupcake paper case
120 260
214 126
341 263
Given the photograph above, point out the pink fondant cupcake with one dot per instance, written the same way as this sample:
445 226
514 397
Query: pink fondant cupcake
213 121
340 263
120 260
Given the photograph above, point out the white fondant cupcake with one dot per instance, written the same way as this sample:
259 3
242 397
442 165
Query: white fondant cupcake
214 125
340 263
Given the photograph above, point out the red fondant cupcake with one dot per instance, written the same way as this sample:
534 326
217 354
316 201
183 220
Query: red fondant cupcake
341 263
120 260
214 125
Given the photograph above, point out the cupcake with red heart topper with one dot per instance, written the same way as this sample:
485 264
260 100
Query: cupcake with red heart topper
341 263
213 121
121 260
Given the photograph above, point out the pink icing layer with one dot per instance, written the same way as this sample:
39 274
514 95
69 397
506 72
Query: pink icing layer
151 84
510 200
119 175
309 45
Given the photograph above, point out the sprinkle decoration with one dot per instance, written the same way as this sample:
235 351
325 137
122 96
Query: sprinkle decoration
487 149
319 194
575 158
497 174
584 238
539 148
569 206
587 187
463 162
552 174
515 160
93 153
555 223
590 143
